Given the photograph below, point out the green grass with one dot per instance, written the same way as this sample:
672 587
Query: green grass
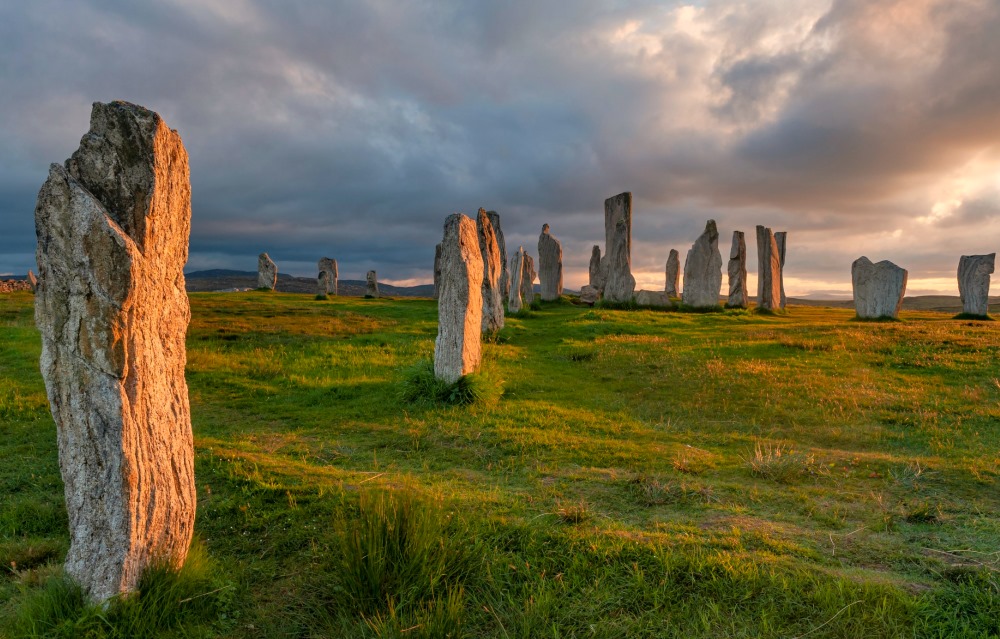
643 474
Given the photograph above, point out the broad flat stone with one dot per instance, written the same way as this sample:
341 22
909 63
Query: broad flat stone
267 272
502 245
616 265
491 293
738 272
703 270
372 285
768 270
673 272
113 227
652 298
589 294
974 282
878 288
329 267
457 350
549 265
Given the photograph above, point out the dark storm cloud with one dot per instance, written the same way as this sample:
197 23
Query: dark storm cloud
351 129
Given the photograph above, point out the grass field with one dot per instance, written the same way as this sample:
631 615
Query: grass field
644 474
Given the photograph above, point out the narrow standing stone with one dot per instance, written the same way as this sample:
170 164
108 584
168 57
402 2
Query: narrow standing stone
703 270
616 265
372 285
878 288
491 293
113 228
457 351
768 270
329 267
502 245
267 272
528 280
974 283
549 265
673 274
779 239
32 281
515 301
596 280
738 272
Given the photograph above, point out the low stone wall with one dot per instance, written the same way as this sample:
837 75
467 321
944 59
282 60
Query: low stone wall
9 286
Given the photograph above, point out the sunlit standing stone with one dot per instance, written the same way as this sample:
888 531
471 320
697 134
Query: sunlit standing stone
703 270
457 350
878 288
491 293
267 272
974 282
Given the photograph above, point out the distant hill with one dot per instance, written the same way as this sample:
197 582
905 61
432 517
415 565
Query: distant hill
221 279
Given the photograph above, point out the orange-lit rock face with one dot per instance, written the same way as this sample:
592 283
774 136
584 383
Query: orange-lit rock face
493 316
113 228
457 350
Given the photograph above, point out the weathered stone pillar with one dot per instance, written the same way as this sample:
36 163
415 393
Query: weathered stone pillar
768 270
974 283
878 288
267 272
515 301
616 265
372 290
329 267
549 265
502 245
703 270
738 272
113 228
528 276
596 279
779 239
673 274
457 350
491 293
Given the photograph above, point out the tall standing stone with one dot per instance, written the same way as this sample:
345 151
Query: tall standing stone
768 270
457 350
528 275
515 301
779 239
113 227
329 267
267 272
738 272
491 293
673 274
321 284
372 290
703 270
437 271
878 288
549 265
616 265
974 283
596 280
502 245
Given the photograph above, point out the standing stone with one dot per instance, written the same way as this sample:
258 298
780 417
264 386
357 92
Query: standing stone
437 271
32 281
457 350
321 284
779 239
738 272
328 266
528 280
549 265
515 301
703 270
113 228
372 285
974 283
491 293
768 270
267 272
878 288
596 278
616 266
673 274
502 245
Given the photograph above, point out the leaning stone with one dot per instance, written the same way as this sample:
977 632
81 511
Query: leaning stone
32 281
974 283
703 270
878 288
328 266
372 290
738 272
596 278
673 274
616 265
113 228
267 272
528 280
502 245
652 298
515 301
589 295
491 293
549 265
768 270
779 239
457 350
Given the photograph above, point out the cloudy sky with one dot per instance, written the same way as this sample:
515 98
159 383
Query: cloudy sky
352 129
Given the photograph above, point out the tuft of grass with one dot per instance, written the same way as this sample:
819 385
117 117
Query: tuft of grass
776 462
649 491
574 513
421 386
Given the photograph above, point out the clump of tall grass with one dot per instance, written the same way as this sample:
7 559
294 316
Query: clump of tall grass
421 385
778 463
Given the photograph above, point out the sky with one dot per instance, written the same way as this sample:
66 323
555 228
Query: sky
353 129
